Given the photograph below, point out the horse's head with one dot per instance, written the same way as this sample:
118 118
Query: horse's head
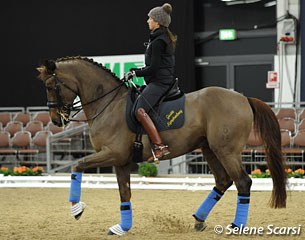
61 91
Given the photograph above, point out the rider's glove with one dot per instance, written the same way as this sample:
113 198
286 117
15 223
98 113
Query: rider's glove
129 75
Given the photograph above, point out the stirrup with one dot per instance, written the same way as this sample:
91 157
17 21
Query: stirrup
158 153
78 209
161 148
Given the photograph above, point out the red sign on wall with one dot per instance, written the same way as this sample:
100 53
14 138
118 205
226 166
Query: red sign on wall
272 80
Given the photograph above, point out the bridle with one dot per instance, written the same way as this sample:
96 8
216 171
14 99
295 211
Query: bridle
64 109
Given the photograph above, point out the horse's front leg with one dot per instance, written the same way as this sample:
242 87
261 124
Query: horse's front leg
106 157
123 177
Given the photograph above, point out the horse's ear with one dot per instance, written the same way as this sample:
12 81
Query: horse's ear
41 69
50 66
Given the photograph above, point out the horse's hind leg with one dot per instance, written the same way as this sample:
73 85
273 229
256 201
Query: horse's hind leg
223 182
233 166
123 177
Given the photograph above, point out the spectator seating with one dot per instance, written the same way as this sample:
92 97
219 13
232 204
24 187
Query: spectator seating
287 123
292 124
13 126
23 117
33 127
260 154
44 117
22 142
295 154
285 138
286 113
40 139
5 145
5 117
53 128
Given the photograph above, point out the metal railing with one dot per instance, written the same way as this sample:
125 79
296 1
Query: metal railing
64 148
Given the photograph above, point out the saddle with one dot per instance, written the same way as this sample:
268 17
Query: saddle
167 114
172 93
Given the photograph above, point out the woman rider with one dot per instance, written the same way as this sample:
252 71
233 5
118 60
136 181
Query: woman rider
158 72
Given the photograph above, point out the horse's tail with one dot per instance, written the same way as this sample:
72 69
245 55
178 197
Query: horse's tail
267 126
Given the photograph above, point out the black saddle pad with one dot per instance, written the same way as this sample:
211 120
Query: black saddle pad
168 115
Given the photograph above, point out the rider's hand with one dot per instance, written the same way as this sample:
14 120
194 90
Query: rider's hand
129 75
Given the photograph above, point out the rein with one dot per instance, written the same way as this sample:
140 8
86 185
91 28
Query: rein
68 107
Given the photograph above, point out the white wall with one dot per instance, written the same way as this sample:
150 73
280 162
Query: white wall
284 61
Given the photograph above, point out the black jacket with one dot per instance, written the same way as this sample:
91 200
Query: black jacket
159 59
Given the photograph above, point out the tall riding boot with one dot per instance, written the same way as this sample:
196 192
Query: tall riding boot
160 149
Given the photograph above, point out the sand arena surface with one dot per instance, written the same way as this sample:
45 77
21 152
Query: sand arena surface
157 214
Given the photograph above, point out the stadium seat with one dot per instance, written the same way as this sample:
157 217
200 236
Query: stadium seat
286 113
53 128
285 138
5 117
23 117
33 127
44 117
288 124
13 126
260 154
40 139
5 145
22 142
296 152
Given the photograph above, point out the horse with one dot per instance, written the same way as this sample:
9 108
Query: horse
217 120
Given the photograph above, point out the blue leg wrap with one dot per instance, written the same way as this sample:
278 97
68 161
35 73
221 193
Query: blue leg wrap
205 208
126 216
75 188
242 209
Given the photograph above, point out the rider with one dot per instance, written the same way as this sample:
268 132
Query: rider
158 72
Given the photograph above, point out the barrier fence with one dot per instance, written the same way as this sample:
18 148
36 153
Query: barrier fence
160 183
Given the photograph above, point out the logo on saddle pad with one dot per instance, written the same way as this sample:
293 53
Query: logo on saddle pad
167 115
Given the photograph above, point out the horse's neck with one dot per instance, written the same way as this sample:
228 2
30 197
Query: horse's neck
97 87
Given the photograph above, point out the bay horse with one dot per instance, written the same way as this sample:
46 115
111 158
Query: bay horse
217 120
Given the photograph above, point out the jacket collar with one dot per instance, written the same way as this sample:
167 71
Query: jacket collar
156 33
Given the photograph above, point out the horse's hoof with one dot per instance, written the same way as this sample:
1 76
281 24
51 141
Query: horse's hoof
200 226
116 230
77 210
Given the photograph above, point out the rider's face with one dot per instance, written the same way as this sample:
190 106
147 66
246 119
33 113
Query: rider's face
152 24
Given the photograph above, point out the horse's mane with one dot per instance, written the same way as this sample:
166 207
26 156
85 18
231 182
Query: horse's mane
90 60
